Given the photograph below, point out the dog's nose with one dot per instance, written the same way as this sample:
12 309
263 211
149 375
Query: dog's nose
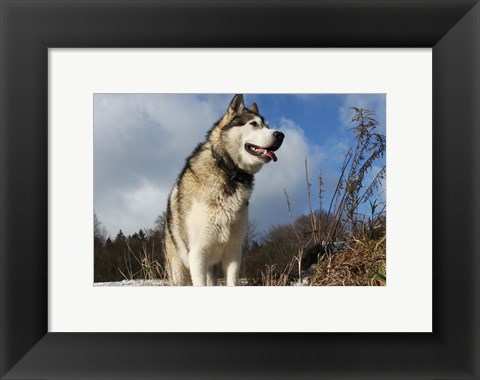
278 135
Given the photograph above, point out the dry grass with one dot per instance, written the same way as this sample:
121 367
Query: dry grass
146 268
363 264
272 277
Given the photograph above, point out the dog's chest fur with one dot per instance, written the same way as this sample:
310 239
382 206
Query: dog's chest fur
221 206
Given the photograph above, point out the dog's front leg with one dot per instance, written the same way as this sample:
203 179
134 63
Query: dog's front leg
198 267
231 266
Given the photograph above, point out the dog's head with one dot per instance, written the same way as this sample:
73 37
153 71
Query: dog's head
246 136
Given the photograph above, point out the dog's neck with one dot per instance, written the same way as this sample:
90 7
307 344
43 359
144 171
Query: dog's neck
232 171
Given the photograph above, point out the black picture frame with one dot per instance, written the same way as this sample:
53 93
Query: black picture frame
28 28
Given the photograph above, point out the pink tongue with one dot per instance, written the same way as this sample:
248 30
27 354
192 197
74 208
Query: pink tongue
270 154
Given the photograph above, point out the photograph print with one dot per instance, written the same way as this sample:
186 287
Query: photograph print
239 189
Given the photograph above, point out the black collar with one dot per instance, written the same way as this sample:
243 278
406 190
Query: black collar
231 170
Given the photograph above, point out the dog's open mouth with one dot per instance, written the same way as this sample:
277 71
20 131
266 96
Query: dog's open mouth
260 152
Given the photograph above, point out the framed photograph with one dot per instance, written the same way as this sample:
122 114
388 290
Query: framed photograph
71 92
145 127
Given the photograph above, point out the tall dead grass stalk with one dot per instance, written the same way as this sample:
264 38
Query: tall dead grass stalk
149 268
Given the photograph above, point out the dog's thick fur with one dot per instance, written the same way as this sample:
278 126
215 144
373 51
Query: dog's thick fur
207 209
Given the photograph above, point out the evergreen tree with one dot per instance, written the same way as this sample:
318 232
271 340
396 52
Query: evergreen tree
120 236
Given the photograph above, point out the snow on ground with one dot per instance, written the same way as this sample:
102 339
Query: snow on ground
221 282
133 283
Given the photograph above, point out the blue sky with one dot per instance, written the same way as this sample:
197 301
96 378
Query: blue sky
141 142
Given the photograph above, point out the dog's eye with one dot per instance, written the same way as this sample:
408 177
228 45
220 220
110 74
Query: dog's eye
254 124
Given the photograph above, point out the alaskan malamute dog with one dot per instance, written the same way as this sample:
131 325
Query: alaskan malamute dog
207 209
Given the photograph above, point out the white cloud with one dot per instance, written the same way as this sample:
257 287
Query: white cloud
133 209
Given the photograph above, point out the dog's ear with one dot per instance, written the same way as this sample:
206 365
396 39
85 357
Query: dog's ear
254 108
236 105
